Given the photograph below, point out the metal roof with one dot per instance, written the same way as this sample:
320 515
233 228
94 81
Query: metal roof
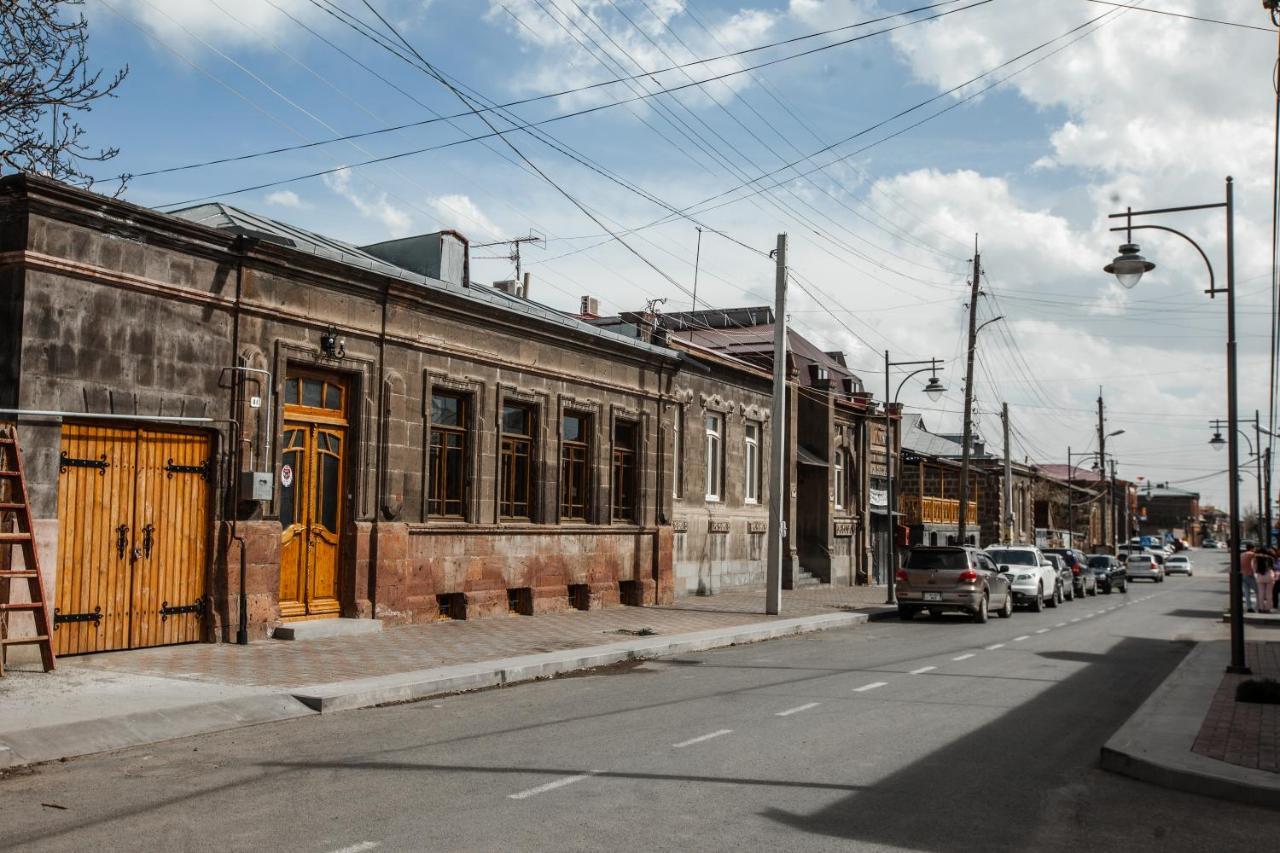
225 217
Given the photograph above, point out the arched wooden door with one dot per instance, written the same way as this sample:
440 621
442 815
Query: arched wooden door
312 497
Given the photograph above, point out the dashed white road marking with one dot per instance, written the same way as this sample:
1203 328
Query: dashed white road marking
682 744
922 670
797 710
1075 620
963 657
872 686
1043 631
994 646
359 848
1061 625
1023 637
550 786
1090 615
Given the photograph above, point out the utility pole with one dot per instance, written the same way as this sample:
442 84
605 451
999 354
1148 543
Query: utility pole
968 393
1111 490
1006 523
697 258
1102 459
1071 504
1266 491
777 449
514 255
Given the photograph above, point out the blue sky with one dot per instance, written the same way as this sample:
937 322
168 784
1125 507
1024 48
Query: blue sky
1149 110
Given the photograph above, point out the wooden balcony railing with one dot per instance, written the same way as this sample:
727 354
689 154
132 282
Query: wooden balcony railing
917 510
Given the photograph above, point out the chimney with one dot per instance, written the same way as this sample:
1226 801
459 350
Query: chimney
442 255
525 292
589 307
509 286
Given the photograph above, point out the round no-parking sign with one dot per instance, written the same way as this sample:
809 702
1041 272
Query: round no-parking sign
286 475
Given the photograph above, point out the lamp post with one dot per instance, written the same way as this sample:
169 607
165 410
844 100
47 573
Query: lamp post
1256 451
935 390
1128 268
1071 472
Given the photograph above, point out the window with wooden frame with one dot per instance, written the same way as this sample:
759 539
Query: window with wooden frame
311 392
751 438
625 476
447 460
714 445
575 466
677 454
842 483
516 461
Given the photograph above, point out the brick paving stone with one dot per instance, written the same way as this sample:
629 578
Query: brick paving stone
283 664
1243 733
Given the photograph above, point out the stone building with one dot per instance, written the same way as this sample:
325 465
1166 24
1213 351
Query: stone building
220 410
1167 509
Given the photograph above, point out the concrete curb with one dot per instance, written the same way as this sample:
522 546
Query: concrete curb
85 737
1154 745
420 684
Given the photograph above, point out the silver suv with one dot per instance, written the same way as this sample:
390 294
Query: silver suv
952 578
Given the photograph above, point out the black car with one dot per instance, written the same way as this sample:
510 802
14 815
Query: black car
1109 573
1082 580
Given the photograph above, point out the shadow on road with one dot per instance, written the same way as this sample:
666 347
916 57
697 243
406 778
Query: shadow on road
985 792
1190 613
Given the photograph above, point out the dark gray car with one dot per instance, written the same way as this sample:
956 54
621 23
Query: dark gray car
1082 580
952 578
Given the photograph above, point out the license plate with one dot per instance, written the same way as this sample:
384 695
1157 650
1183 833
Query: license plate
933 596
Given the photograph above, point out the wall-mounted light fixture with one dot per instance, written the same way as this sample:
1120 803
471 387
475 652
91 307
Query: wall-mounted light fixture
332 345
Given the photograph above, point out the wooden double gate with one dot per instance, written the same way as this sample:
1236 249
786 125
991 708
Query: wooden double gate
133 538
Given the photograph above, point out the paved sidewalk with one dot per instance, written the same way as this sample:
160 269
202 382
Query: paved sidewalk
1244 733
108 701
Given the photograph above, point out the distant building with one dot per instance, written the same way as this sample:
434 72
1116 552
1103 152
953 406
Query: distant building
1166 509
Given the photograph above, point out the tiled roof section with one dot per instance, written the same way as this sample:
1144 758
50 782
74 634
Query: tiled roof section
1082 473
917 439
754 343
225 217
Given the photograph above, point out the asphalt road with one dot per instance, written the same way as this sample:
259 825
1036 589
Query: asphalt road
934 735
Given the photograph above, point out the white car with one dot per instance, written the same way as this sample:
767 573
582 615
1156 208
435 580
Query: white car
1144 567
1178 564
1034 579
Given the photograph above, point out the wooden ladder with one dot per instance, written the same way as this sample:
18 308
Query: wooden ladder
16 529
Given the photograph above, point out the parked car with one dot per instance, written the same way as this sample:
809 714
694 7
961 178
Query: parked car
1178 564
1144 567
1081 579
1035 581
1109 573
942 578
1209 542
1066 584
1159 557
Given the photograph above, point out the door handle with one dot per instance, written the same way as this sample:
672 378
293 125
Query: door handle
147 539
122 540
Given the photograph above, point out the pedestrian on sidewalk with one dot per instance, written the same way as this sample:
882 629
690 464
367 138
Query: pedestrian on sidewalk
1248 579
1264 567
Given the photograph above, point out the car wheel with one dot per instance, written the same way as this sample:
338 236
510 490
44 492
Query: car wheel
1107 591
1054 597
980 615
1124 586
1006 611
906 614
1071 593
1037 604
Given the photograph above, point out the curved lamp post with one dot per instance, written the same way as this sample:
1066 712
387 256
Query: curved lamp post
1262 458
935 390
1128 268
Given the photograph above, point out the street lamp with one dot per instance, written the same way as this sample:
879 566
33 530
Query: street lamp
1098 467
935 389
1128 268
1262 460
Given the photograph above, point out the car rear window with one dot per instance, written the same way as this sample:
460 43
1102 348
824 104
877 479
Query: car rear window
939 560
1013 557
1140 558
1099 562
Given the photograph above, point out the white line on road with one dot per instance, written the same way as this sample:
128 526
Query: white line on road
1061 625
682 744
872 686
1043 631
1090 615
963 657
922 670
1075 620
359 848
995 646
1023 637
551 786
790 711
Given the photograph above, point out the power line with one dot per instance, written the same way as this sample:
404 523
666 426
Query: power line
1182 15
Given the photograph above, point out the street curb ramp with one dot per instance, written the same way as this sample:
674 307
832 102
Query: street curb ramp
1154 745
423 683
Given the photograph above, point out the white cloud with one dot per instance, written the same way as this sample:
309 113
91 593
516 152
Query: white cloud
465 216
285 198
396 221
220 22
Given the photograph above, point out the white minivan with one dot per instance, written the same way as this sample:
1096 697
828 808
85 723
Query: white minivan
1035 581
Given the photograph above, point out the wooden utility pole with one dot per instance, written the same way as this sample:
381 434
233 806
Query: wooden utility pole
778 437
1102 468
1006 523
968 393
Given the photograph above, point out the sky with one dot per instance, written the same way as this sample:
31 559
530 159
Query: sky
885 142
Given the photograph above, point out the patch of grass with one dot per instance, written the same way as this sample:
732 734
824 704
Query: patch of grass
1265 691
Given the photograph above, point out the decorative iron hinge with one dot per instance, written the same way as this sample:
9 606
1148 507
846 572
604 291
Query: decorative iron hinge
166 611
65 462
204 469
95 617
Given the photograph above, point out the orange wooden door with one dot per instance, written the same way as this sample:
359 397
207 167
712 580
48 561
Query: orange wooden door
170 538
311 520
95 538
132 538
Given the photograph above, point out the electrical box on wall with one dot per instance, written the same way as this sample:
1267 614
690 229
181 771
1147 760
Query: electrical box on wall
255 485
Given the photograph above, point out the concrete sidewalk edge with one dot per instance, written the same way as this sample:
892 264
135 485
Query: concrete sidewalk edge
1154 745
86 737
420 684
